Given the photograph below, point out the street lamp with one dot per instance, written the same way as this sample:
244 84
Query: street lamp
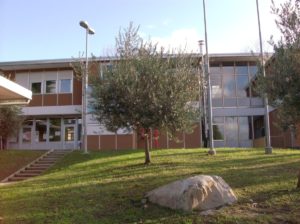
85 79
268 148
202 94
211 151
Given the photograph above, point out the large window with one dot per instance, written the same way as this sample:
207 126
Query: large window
229 86
242 84
55 130
65 86
36 87
41 130
51 86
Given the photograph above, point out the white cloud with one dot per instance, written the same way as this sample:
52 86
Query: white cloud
184 39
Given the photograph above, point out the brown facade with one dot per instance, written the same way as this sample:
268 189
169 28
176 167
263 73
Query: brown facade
280 138
183 140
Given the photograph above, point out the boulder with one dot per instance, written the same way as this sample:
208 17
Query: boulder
199 193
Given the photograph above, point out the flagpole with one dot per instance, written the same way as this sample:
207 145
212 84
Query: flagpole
211 151
268 148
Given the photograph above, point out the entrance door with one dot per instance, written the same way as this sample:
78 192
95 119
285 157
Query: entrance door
70 136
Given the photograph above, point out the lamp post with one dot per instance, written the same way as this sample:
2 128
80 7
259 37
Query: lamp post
90 31
211 151
268 148
202 97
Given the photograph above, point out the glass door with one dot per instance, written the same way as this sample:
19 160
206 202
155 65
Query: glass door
69 136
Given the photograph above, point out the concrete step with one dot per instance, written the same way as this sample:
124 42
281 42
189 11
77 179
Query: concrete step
45 162
29 172
33 171
39 166
36 168
26 174
17 178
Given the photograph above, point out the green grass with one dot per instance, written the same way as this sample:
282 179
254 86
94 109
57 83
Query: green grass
13 160
101 188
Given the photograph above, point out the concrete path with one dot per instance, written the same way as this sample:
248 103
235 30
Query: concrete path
36 167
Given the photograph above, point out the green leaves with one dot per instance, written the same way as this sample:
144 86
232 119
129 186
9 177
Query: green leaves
282 84
10 120
146 87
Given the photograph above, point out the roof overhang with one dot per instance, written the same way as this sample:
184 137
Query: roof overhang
13 94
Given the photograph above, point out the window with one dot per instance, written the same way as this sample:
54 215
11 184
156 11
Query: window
51 86
229 86
65 86
242 86
26 137
228 68
41 130
216 83
241 68
55 130
36 87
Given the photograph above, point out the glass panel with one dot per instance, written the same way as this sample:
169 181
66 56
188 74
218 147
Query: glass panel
26 135
28 123
69 133
218 120
258 123
65 85
257 102
79 131
244 128
243 102
55 130
228 68
241 68
229 86
217 102
231 127
218 132
215 70
36 87
50 86
69 121
253 70
216 83
242 83
229 102
41 130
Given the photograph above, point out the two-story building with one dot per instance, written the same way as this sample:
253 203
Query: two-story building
53 117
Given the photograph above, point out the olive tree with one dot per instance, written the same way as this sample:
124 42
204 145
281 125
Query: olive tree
146 87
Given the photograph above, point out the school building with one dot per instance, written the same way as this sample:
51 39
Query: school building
53 116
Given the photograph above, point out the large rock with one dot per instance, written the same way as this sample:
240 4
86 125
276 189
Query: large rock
200 192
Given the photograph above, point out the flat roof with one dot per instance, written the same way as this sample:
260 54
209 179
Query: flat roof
12 93
66 62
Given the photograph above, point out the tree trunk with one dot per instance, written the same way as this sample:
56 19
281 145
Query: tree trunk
147 152
298 184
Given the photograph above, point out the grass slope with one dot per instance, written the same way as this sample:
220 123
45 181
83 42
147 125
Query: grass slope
13 160
104 187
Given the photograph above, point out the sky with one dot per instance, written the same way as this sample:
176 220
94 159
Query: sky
49 29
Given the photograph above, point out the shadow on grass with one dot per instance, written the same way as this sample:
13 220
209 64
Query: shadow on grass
101 187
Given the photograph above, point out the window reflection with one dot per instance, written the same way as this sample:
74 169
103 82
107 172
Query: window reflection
229 86
55 130
41 130
216 83
231 128
242 84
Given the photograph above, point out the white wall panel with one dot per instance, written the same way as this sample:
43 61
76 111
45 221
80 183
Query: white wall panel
22 78
51 110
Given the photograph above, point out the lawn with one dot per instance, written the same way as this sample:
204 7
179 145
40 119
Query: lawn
106 188
13 160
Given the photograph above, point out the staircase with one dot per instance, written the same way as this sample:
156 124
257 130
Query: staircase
37 167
